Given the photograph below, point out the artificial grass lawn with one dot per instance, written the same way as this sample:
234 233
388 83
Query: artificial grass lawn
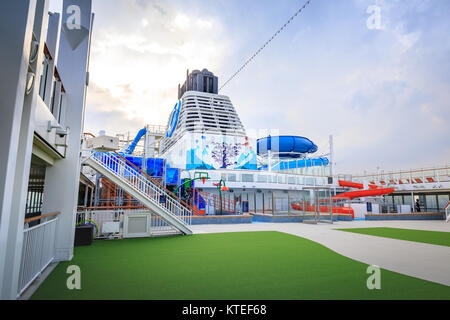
241 265
431 237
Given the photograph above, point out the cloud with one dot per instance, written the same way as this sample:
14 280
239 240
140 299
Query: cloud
140 52
105 112
383 94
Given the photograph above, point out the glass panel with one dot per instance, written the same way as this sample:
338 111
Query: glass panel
431 202
43 82
291 180
442 200
262 178
407 200
389 199
398 200
52 109
309 181
247 177
232 177
60 107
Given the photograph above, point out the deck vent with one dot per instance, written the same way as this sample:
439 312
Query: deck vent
137 225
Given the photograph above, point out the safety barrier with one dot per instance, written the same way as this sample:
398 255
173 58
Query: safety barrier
38 249
158 226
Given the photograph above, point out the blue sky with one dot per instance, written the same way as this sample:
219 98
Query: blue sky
384 94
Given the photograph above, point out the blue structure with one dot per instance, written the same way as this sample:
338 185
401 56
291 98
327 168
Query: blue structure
154 167
289 149
285 146
303 163
132 146
172 176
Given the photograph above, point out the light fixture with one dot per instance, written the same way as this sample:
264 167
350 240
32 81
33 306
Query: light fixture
30 82
34 51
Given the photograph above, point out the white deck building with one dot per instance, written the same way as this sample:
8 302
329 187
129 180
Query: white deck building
43 86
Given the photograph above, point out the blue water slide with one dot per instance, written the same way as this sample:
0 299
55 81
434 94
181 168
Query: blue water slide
285 146
130 148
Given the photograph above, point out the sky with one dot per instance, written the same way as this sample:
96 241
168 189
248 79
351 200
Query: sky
380 84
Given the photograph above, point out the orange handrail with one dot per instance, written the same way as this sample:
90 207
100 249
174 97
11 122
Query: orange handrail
89 134
41 216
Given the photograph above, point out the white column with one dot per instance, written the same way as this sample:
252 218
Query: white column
62 180
18 20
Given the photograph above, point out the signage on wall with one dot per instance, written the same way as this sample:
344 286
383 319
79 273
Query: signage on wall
76 21
173 119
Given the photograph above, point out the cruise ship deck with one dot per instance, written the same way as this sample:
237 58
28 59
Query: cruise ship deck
201 206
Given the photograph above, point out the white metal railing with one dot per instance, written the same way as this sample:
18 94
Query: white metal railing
38 251
158 226
258 177
413 176
156 193
156 129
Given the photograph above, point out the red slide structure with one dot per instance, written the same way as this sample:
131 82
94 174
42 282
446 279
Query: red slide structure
373 191
309 208
364 193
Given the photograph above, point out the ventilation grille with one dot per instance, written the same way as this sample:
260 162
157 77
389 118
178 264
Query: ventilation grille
137 225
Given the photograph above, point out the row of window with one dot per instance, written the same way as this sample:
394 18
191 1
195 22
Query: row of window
280 179
428 202
55 91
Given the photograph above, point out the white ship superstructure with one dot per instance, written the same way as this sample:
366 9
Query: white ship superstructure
204 113
204 130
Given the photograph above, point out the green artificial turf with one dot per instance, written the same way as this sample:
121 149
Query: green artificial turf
241 265
431 237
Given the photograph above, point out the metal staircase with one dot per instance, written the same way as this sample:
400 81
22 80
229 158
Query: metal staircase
144 189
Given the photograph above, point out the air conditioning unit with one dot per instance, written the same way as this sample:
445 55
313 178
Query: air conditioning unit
103 143
111 227
136 225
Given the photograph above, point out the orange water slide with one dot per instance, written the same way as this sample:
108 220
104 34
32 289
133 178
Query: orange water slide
325 209
365 193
